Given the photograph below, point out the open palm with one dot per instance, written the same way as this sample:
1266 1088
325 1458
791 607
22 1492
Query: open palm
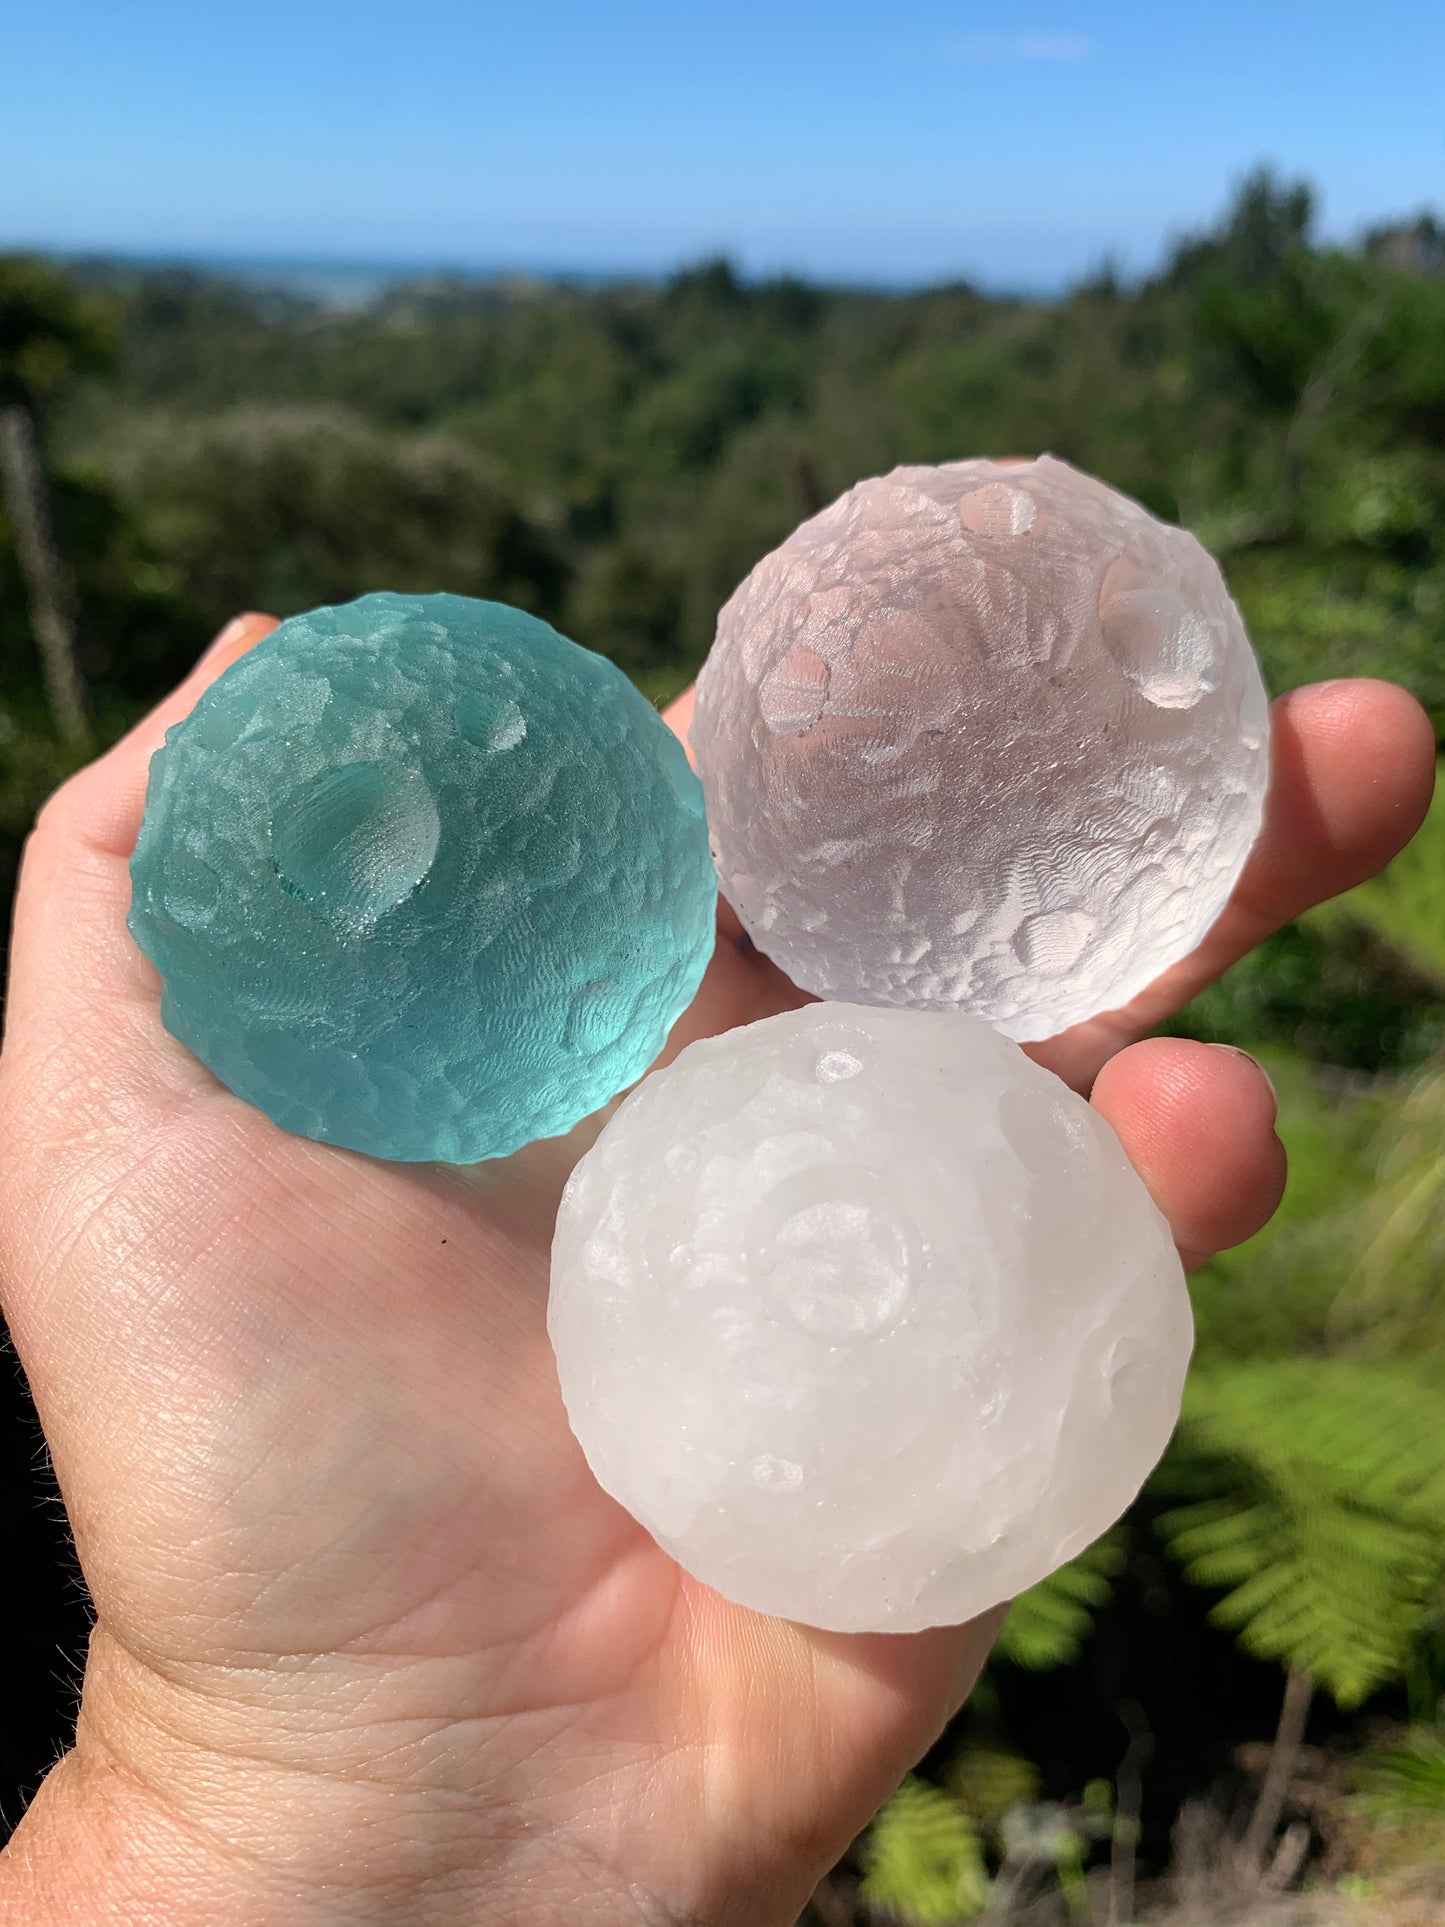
370 1642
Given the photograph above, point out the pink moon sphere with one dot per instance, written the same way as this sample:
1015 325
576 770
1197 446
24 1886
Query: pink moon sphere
984 737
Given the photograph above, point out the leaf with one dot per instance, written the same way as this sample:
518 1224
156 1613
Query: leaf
1048 1624
924 1859
1318 1506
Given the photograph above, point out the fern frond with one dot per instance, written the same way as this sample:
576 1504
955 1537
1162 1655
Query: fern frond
1318 1507
1048 1624
1372 1429
924 1860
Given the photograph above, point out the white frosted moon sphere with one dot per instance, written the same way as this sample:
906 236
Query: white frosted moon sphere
982 737
866 1317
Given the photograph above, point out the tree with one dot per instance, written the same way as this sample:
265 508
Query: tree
283 508
49 333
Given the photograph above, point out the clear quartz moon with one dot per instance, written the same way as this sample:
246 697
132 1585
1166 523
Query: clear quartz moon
985 737
866 1317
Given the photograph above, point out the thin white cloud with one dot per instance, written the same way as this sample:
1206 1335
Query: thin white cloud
990 49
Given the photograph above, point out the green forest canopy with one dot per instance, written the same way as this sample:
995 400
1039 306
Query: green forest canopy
618 457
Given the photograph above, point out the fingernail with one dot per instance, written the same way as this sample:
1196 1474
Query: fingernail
1249 1058
233 632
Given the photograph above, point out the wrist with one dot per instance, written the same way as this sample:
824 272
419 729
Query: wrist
141 1826
96 1847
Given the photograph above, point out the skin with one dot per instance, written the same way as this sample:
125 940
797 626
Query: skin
370 1644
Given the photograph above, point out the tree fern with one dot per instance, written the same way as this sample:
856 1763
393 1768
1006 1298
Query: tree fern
1316 1496
925 1860
1048 1624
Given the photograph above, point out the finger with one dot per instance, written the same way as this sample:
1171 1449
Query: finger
1352 774
1197 1121
678 715
71 954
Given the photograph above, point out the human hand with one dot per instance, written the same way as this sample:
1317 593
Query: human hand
371 1645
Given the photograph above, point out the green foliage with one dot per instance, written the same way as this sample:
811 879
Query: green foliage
1327 604
1317 1503
1396 1302
1402 1784
50 329
928 1855
990 1783
1397 1800
1405 906
1310 1460
1048 1624
1275 1297
285 508
1326 989
925 1861
1280 396
1352 1263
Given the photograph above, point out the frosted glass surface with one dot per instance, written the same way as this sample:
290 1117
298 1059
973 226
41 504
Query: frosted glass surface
982 737
423 878
867 1319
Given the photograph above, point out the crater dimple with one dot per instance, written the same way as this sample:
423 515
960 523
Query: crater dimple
835 1065
193 889
491 725
773 1474
354 842
840 1267
794 693
998 509
1053 941
1168 650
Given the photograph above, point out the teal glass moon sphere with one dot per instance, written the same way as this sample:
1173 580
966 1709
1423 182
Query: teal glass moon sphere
423 878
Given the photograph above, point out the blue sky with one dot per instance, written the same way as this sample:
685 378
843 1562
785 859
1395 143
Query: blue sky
1017 144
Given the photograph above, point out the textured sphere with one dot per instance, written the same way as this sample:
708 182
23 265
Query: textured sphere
423 878
865 1317
982 737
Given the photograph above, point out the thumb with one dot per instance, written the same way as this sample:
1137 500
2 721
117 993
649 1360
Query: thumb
71 957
